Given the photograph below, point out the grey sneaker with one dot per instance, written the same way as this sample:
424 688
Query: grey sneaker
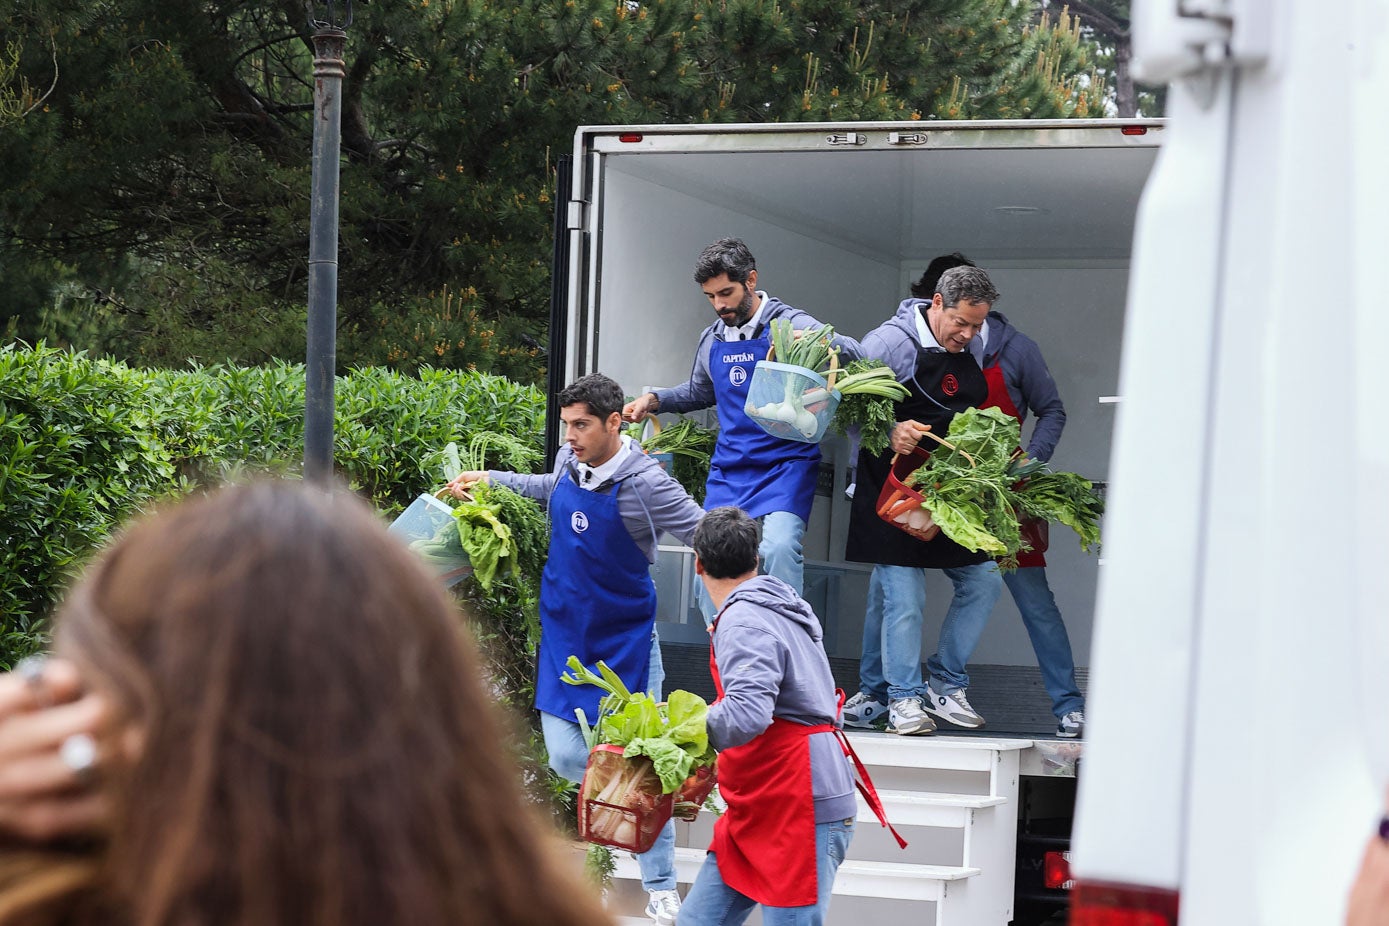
663 907
908 717
864 711
1072 725
953 707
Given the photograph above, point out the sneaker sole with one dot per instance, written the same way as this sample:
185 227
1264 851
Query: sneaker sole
1068 736
862 724
918 730
967 724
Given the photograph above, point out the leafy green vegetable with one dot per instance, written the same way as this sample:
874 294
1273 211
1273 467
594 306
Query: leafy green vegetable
673 735
599 865
1067 498
450 465
691 447
485 538
977 486
810 350
530 530
873 414
501 532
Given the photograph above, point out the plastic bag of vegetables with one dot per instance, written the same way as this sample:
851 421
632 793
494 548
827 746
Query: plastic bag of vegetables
429 528
795 396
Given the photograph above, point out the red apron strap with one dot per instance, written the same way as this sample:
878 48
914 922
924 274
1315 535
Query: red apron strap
865 787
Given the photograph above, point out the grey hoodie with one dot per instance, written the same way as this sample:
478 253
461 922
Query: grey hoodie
771 658
649 500
895 341
1025 373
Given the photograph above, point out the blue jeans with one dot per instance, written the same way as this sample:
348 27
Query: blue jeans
713 903
1050 642
890 667
976 592
780 554
564 741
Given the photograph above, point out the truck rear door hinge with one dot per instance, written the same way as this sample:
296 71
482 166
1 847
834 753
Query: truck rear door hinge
906 138
847 138
576 216
1178 38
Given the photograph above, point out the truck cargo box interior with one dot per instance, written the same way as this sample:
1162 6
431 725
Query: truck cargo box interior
841 229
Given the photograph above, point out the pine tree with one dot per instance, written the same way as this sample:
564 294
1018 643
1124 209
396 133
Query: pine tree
166 185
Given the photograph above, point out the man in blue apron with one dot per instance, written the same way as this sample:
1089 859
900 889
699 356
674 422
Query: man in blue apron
608 502
927 344
770 478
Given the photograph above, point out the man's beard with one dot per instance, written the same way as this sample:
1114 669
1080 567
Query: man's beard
744 308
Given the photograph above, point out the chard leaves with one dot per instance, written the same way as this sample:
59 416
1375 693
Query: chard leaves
977 487
672 734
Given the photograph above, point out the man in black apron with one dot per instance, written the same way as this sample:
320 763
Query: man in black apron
1019 384
927 343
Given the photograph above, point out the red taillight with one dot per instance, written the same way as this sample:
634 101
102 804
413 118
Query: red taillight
1134 130
630 138
1099 904
1056 870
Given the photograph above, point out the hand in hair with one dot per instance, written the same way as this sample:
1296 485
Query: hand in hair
42 799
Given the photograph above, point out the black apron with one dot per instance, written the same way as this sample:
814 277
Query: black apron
944 385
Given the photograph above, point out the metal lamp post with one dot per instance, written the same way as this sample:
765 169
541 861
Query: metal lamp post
329 21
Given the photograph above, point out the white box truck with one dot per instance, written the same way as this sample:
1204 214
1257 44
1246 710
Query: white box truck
1239 701
841 219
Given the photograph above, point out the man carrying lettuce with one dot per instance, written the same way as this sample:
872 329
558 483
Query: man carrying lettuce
931 343
782 771
607 502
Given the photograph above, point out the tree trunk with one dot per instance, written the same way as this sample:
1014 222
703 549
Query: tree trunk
1125 94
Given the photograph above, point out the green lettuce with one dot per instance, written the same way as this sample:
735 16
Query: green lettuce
671 734
977 485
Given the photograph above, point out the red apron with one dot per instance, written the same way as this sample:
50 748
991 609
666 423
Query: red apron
1001 400
765 841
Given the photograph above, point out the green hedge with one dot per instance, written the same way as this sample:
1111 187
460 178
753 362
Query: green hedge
84 443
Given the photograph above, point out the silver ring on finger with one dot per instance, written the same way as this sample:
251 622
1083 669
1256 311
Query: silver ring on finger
31 669
78 753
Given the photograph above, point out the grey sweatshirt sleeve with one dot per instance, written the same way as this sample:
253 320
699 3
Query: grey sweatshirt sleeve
752 663
537 487
1040 397
893 347
655 499
672 509
698 391
849 349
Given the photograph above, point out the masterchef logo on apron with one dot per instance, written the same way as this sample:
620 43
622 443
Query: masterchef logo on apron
738 374
950 385
579 521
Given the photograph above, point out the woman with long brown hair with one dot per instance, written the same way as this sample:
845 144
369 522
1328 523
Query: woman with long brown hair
294 732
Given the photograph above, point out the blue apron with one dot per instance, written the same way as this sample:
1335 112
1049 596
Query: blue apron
752 469
597 600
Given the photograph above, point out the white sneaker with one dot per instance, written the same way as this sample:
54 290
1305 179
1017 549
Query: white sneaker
908 717
953 707
1072 725
663 907
864 711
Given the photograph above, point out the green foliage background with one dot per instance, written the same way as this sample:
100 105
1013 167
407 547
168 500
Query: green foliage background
85 443
155 206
